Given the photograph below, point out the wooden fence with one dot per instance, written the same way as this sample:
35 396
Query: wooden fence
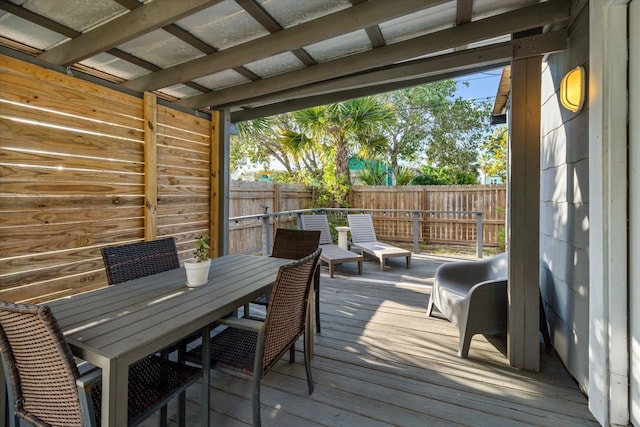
453 220
446 227
82 167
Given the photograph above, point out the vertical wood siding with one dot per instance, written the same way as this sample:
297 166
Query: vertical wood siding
72 165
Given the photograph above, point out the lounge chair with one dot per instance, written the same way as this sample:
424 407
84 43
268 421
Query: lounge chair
331 254
363 237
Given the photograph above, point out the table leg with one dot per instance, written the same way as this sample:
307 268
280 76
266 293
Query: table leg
121 399
109 395
206 375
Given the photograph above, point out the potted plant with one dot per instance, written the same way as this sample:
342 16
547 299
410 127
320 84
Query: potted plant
197 268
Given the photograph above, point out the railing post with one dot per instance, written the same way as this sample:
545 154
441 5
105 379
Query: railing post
266 232
416 231
299 220
479 234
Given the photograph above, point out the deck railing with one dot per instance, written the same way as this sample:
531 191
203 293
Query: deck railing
384 220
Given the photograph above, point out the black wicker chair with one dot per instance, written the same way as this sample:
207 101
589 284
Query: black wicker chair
45 388
295 244
135 260
252 346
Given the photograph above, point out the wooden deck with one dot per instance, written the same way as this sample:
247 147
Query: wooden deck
380 361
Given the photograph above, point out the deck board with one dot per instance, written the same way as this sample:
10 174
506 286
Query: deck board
381 362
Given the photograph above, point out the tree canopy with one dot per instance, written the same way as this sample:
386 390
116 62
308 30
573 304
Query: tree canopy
424 130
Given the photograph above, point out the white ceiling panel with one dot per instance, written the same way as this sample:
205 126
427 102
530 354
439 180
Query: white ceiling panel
76 14
180 91
276 64
419 23
293 12
115 66
161 48
344 45
223 25
221 80
25 32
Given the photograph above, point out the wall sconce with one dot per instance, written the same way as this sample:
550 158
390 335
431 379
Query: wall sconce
572 90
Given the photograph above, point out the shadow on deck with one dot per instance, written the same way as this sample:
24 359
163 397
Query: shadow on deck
380 361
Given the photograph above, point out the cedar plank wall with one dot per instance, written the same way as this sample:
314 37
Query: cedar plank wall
72 179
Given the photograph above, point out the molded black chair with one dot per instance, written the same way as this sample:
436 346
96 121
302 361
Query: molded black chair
295 244
252 346
44 386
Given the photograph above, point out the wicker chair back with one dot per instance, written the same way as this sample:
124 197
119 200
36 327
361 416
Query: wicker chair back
287 309
135 260
40 369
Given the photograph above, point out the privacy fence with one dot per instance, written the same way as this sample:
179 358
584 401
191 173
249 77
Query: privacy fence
449 214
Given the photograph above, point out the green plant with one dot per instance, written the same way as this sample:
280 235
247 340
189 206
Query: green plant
201 251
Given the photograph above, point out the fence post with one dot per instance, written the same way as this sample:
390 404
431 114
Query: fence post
416 232
266 232
479 234
299 220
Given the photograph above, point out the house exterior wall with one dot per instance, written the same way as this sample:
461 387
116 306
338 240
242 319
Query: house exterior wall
564 210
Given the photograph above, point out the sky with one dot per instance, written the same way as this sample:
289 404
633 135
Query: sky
482 86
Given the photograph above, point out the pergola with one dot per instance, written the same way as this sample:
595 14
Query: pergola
244 59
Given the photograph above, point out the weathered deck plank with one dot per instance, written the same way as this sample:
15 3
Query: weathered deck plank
380 362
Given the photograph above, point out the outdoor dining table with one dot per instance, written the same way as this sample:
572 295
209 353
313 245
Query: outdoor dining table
116 326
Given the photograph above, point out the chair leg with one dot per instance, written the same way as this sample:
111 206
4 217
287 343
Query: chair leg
465 342
307 366
257 422
292 353
317 298
430 306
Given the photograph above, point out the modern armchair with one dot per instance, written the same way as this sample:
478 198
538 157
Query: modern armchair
253 347
44 385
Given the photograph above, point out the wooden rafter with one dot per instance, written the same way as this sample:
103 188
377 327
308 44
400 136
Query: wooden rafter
289 39
510 22
149 17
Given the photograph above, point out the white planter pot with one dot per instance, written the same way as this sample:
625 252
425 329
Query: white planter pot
197 272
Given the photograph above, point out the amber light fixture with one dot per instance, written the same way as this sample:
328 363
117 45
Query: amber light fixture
572 90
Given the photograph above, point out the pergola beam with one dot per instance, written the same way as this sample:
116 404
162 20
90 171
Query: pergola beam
495 55
290 39
139 21
339 96
510 22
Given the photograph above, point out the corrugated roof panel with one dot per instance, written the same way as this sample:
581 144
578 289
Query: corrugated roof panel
276 64
419 23
115 66
221 80
25 32
344 45
79 15
485 8
293 12
224 25
161 48
180 91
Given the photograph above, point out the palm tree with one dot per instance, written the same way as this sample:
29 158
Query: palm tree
348 127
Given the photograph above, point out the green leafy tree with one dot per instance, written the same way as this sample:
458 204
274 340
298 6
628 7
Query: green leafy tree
494 153
344 129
